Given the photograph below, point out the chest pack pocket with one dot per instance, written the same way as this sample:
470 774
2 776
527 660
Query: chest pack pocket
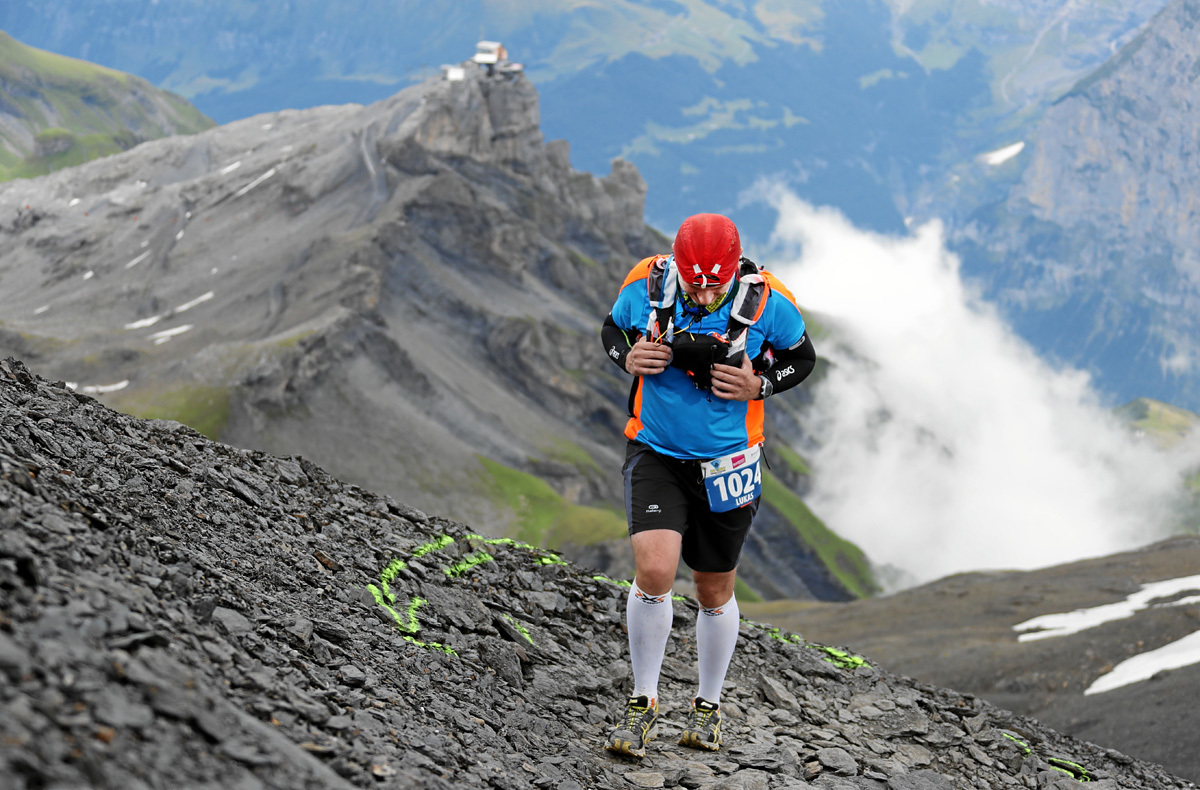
697 353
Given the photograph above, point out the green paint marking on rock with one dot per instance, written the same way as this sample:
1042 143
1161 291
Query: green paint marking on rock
840 658
775 633
1024 746
468 562
1075 770
618 582
544 557
431 645
389 575
382 601
441 542
517 625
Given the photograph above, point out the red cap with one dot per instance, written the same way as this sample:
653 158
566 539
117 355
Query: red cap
707 249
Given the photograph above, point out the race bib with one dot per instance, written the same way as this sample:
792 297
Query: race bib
733 480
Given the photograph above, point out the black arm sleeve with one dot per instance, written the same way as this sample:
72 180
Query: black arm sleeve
789 366
616 342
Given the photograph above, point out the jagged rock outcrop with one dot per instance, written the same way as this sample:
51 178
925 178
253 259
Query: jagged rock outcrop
420 280
178 612
1092 250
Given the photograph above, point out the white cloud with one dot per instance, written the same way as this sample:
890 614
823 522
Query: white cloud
946 443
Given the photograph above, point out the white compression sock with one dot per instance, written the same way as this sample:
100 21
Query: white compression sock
716 636
648 618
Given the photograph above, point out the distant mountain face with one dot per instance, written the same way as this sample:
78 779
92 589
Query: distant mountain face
409 293
1090 241
56 111
862 105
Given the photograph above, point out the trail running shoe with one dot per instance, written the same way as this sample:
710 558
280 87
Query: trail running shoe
636 729
703 728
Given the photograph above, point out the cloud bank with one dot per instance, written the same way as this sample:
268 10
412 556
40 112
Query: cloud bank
945 443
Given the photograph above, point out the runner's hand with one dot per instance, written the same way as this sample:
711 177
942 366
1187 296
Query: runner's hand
736 383
647 359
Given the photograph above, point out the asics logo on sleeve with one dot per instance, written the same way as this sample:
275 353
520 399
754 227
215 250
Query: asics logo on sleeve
779 374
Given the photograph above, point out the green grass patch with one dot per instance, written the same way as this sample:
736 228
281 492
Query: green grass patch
567 452
579 258
204 409
1165 424
542 517
15 56
793 459
743 593
78 111
845 560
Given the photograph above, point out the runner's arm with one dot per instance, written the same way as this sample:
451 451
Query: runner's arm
616 342
790 366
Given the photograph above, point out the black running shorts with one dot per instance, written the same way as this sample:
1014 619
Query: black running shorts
662 492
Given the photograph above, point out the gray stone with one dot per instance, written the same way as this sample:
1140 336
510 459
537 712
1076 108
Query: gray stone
838 761
777 694
920 780
111 706
748 779
233 622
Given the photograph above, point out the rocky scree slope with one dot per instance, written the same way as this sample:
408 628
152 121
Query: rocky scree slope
57 111
1090 247
178 612
408 293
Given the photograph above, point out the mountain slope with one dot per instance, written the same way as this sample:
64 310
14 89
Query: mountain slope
182 613
57 111
960 632
1090 248
409 293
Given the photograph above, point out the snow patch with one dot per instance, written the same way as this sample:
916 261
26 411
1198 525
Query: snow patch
100 389
227 169
198 300
1067 623
1002 155
138 259
254 183
145 322
1144 666
161 337
41 309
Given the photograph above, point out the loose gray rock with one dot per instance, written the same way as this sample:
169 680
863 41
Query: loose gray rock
200 644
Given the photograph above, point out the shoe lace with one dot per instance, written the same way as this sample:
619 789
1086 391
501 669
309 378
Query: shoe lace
633 713
701 718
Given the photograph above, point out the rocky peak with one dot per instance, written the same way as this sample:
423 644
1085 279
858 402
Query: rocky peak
1092 250
1112 151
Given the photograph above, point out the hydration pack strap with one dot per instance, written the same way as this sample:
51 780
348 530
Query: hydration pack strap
661 287
748 305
